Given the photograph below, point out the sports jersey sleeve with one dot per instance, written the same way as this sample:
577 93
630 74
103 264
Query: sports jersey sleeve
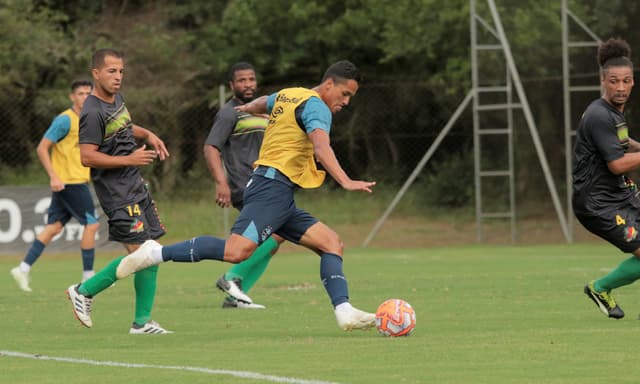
316 115
605 138
91 124
223 125
58 129
271 99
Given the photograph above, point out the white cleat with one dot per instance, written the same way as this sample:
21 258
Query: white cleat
149 328
137 260
233 289
230 303
81 305
352 318
22 278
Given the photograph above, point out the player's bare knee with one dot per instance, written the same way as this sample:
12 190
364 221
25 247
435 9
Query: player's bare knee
333 245
236 256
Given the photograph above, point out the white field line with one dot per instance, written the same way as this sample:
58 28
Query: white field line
240 374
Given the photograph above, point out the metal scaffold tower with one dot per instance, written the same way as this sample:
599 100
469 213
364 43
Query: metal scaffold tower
589 41
504 95
512 84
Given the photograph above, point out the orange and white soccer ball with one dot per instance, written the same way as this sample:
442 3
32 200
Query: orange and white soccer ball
395 317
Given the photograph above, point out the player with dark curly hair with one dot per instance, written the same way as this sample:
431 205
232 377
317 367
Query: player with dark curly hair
605 200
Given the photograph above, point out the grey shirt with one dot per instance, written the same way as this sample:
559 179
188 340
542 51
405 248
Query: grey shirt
109 127
238 136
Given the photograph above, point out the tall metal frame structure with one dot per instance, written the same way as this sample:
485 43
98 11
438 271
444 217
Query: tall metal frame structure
512 79
480 132
512 84
568 90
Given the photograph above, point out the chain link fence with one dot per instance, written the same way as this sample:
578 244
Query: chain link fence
381 136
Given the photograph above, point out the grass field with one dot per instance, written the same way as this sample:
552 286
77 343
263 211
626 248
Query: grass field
485 314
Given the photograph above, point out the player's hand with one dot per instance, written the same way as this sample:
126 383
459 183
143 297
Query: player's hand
56 184
142 156
158 145
358 185
223 195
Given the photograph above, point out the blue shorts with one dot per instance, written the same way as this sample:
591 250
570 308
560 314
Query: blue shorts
268 207
73 201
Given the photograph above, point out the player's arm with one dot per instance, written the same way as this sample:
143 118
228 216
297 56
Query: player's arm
255 107
624 164
214 162
44 155
152 139
93 158
634 146
325 156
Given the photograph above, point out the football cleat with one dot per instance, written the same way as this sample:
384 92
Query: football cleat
233 289
355 319
149 328
604 301
81 305
137 260
231 303
22 278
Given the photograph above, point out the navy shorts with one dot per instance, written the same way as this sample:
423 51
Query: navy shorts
268 207
135 223
619 227
73 201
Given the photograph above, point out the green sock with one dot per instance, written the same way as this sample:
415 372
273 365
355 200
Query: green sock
250 270
101 280
626 273
145 285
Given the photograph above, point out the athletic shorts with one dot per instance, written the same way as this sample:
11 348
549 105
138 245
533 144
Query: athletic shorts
619 227
268 207
135 223
73 201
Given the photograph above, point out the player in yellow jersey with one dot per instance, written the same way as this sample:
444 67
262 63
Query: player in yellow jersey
296 136
59 154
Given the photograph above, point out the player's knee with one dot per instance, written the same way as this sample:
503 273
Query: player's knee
94 227
236 256
334 245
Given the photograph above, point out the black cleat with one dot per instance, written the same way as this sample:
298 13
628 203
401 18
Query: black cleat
604 301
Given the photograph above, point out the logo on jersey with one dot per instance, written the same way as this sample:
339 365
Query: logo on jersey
623 134
136 227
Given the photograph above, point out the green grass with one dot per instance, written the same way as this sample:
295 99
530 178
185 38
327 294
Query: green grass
484 315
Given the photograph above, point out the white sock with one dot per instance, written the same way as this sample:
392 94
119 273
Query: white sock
156 254
344 307
24 267
86 275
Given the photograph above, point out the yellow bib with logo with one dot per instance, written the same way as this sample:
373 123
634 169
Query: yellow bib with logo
65 154
286 146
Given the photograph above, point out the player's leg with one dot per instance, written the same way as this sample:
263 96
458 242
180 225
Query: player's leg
21 273
248 272
325 242
129 226
145 280
625 237
87 250
57 216
79 203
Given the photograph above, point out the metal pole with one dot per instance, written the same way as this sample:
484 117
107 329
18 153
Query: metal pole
419 167
567 117
529 118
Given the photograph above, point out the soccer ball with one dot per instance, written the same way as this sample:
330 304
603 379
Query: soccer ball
395 317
